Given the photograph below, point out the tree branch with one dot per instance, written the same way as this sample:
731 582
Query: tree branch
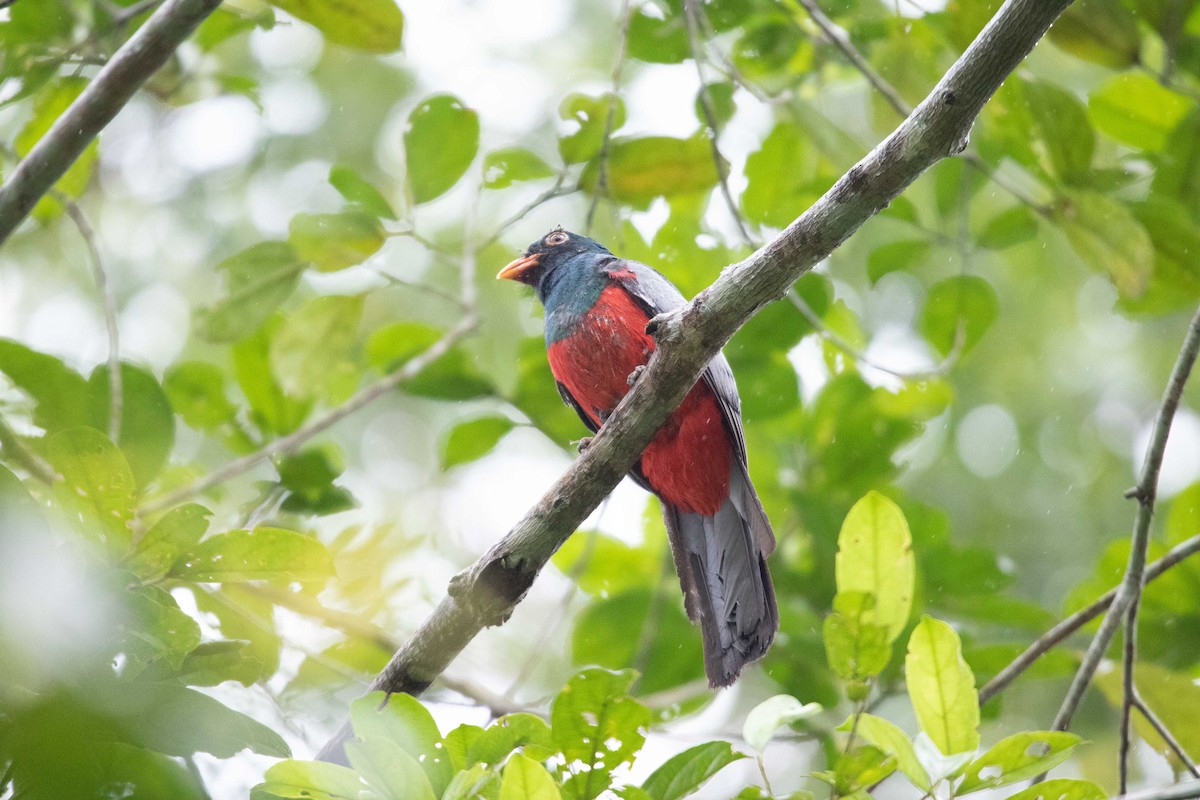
1187 790
35 465
147 50
1056 635
688 338
1146 492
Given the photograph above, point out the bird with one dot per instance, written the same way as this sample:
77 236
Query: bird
597 307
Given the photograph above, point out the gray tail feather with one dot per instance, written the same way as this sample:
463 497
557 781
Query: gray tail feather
722 566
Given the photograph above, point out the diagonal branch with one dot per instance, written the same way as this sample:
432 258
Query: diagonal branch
688 338
1058 634
1146 492
147 50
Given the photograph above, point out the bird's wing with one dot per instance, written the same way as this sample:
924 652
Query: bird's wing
656 295
569 399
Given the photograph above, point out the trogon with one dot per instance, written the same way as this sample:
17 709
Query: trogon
597 307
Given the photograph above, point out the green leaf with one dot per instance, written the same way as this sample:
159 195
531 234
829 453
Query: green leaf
356 189
660 37
50 104
896 256
640 169
686 772
376 26
964 300
332 242
857 770
210 664
393 344
472 440
401 719
1106 235
502 168
875 557
385 767
97 482
312 353
772 714
774 196
603 565
258 280
1018 757
475 783
608 633
1137 110
1014 226
1101 31
439 144
312 780
893 741
526 731
1061 789
155 627
177 531
451 377
263 554
272 408
597 725
720 100
308 476
942 688
1173 696
147 431
196 390
179 721
60 393
526 779
590 117
1062 125
855 647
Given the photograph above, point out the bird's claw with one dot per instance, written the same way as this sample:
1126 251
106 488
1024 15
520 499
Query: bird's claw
636 375
583 444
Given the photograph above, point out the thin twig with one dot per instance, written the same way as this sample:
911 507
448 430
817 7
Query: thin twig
116 395
34 464
1187 790
420 287
1128 690
557 190
1058 634
610 115
151 46
1146 492
349 623
1162 730
293 440
842 42
690 14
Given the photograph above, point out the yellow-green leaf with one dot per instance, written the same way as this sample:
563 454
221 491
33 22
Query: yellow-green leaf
1137 110
97 482
942 687
526 779
257 555
875 557
376 26
335 241
641 169
1108 238
1018 757
893 741
1061 789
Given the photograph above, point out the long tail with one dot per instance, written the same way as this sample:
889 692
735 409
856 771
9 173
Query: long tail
722 566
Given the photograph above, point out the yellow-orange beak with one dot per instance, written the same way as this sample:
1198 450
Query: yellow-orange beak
518 267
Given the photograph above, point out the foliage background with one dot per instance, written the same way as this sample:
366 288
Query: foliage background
988 352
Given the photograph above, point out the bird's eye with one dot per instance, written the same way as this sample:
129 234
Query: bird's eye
556 238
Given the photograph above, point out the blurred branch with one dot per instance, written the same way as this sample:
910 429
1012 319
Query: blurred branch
1146 491
1165 733
689 337
115 392
11 444
690 16
842 42
1056 635
1128 690
344 621
1188 790
614 96
148 49
293 440
557 190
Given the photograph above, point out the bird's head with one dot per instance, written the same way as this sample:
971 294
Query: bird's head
555 250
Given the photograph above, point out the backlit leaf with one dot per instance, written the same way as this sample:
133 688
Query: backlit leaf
472 440
875 557
257 555
639 169
439 144
258 280
375 26
356 189
942 688
335 241
526 779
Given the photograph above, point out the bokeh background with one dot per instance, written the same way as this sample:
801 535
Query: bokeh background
989 352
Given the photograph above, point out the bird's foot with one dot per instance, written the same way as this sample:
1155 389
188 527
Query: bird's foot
636 375
583 444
